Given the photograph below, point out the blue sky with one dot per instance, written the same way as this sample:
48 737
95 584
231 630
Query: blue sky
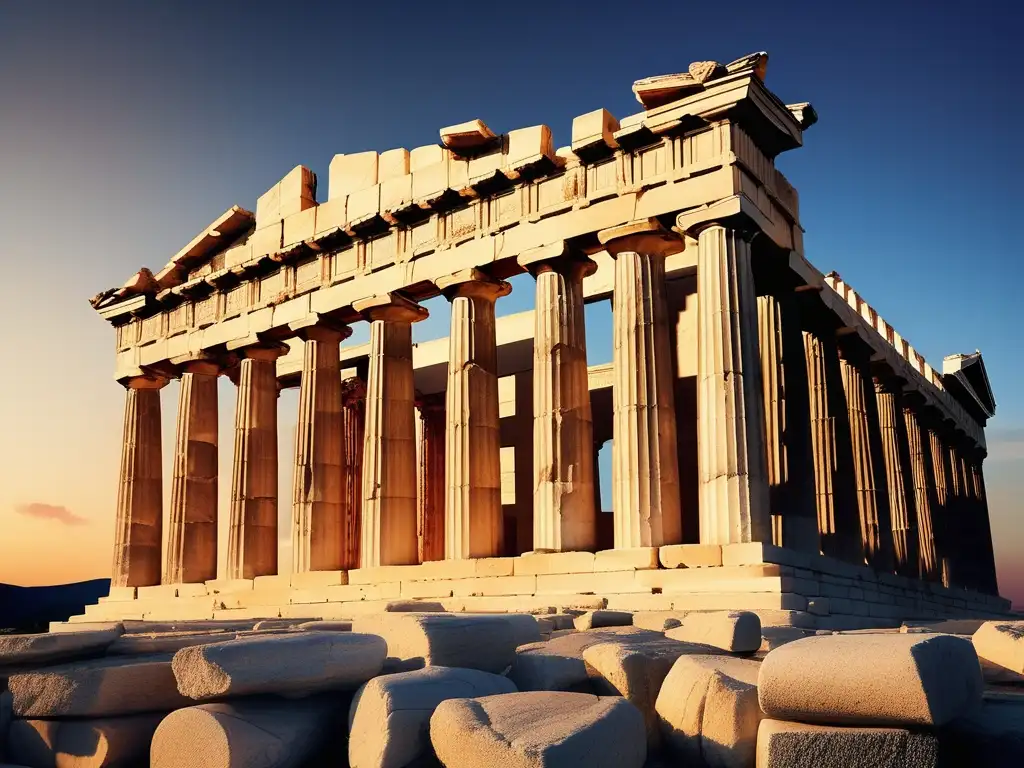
126 127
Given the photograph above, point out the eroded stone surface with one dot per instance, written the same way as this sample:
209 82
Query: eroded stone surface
798 745
30 649
737 631
115 741
169 642
597 619
1002 643
531 730
390 715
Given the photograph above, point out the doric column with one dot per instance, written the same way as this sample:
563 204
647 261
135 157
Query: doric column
941 515
192 539
564 511
790 469
318 492
252 537
473 518
899 479
990 583
925 502
734 502
838 525
389 453
138 536
645 460
871 491
430 450
353 423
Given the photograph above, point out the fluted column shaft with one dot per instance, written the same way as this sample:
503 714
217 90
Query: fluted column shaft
734 501
564 511
192 539
942 514
790 469
990 582
473 516
353 423
318 493
925 502
430 442
138 535
252 537
900 482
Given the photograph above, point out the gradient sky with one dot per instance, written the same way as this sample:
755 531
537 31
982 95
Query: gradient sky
126 127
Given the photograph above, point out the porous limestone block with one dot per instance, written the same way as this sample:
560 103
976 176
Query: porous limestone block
426 156
122 593
593 133
300 227
389 720
470 135
255 733
84 626
635 558
872 679
658 621
267 240
527 146
115 741
31 649
486 642
736 631
597 619
798 745
331 216
773 637
532 730
167 642
752 553
395 193
297 663
351 173
392 164
121 685
363 205
999 642
607 582
690 555
298 191
314 579
708 711
554 563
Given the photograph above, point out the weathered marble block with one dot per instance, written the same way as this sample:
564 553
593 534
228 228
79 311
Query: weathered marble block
798 745
49 647
736 631
1002 643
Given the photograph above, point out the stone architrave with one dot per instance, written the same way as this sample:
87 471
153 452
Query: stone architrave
872 500
139 530
318 494
353 424
192 539
838 526
734 501
787 426
473 516
388 529
252 537
430 453
645 460
899 477
925 501
564 505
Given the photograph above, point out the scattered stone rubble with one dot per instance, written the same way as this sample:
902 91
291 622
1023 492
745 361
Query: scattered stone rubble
487 691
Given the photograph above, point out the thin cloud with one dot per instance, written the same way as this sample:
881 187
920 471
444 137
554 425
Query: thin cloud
42 511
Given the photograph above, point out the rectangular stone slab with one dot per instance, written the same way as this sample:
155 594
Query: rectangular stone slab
48 647
796 745
1002 643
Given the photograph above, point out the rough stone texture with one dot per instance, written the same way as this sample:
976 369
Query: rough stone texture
531 730
797 745
658 621
255 733
295 664
737 631
597 619
925 501
773 637
117 741
326 626
872 679
486 642
1001 643
29 649
899 478
169 642
389 720
708 710
99 688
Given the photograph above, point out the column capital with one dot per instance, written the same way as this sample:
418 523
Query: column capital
255 348
560 257
353 391
317 327
390 307
144 381
203 362
645 236
472 283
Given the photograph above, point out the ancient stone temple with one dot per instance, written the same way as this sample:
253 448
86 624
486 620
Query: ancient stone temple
776 444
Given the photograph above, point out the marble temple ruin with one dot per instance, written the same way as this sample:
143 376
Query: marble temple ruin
776 444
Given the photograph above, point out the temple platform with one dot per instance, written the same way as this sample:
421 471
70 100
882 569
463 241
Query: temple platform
814 591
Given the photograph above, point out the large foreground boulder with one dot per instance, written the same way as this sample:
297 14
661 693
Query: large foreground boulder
477 641
55 646
299 663
115 741
892 679
708 711
797 745
389 722
538 730
1001 643
254 733
109 687
735 631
